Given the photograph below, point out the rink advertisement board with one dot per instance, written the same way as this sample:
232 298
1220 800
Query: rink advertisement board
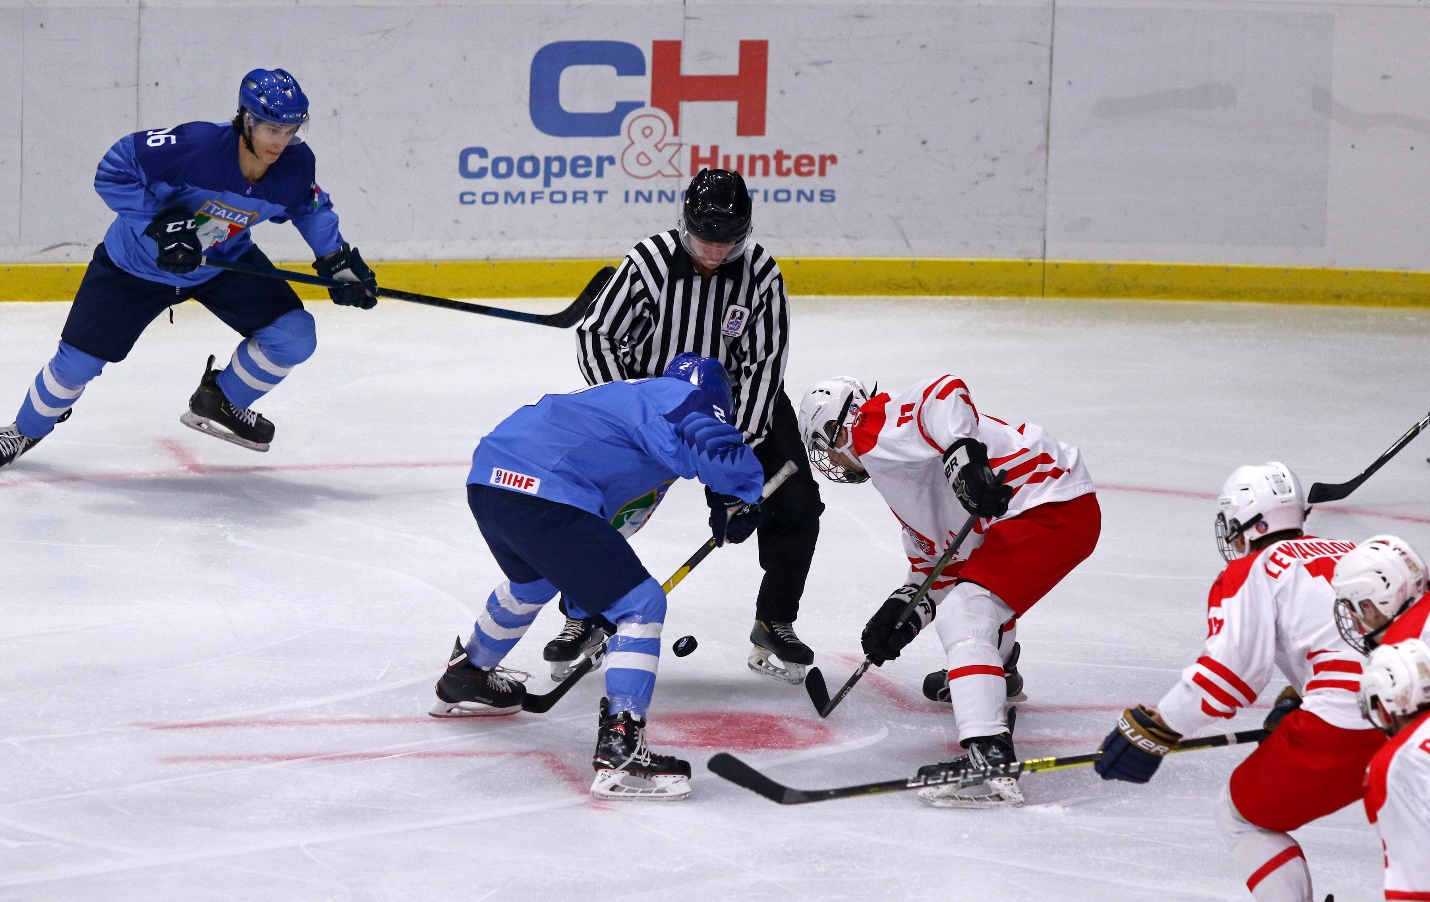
1216 133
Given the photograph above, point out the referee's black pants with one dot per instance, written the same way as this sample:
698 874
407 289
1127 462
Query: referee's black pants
791 528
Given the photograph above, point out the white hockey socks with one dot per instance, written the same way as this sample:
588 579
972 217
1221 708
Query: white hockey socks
1271 863
968 623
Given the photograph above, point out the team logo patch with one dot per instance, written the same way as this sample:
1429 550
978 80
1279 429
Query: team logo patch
509 479
634 513
735 319
218 223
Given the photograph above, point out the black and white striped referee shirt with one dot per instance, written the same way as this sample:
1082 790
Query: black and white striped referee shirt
657 306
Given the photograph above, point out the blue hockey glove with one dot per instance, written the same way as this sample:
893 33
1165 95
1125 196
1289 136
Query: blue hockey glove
1133 751
965 466
360 284
732 520
175 231
880 640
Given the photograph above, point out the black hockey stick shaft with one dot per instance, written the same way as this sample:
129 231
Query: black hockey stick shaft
745 776
814 680
1320 491
561 320
775 481
540 704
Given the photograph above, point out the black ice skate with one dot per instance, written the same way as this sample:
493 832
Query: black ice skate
13 442
211 413
468 691
778 640
996 792
936 683
578 639
627 770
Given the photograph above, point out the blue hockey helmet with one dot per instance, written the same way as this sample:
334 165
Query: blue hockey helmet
273 96
707 374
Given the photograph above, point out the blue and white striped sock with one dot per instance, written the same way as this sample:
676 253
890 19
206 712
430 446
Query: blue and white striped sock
509 612
56 388
250 375
631 664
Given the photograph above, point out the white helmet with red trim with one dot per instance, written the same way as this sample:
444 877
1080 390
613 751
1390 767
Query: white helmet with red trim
1257 501
1374 583
1395 684
827 406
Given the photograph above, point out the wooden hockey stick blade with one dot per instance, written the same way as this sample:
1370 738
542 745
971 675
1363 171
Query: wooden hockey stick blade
745 776
540 704
560 320
818 692
1321 491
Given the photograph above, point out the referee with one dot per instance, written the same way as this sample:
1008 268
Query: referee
705 287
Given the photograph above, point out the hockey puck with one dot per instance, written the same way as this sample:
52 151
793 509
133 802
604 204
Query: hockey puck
684 646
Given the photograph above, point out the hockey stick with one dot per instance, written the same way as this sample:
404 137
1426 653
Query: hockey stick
563 319
814 680
540 704
743 775
775 481
1320 491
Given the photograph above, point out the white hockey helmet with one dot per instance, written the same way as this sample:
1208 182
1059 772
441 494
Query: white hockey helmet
1374 583
1256 501
1395 683
827 406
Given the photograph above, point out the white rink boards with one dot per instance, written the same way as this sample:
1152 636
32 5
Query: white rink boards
215 665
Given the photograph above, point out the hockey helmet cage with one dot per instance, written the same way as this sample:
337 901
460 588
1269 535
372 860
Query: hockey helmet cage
826 407
716 210
273 96
1374 583
710 376
1395 683
1257 501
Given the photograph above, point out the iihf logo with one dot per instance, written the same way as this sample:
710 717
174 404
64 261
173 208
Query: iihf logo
735 319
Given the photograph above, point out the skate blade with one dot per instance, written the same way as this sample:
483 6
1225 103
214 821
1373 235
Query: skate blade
1003 793
619 786
1015 700
560 670
209 427
469 709
762 661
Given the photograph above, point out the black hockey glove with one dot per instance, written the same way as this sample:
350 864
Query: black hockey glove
732 520
965 466
1133 751
346 266
175 231
1286 702
881 641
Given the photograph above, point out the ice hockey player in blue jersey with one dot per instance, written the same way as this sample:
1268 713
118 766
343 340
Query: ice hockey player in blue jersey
555 488
180 193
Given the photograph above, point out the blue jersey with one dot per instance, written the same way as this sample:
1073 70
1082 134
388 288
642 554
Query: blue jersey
195 166
613 450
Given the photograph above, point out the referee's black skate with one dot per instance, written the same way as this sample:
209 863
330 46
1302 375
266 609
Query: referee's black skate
469 691
936 683
778 652
578 639
627 770
210 412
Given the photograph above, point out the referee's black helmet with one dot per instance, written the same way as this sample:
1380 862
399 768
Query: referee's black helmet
717 207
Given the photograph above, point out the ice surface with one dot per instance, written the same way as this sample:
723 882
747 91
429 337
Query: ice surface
215 665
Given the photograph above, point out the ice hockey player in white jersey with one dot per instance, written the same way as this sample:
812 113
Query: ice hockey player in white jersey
1395 697
932 456
1381 594
1272 607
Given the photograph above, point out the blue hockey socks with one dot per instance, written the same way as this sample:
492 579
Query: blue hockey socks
55 390
634 651
509 612
261 361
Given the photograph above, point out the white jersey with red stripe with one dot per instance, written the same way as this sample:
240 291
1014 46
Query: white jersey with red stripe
1397 802
900 440
1273 609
